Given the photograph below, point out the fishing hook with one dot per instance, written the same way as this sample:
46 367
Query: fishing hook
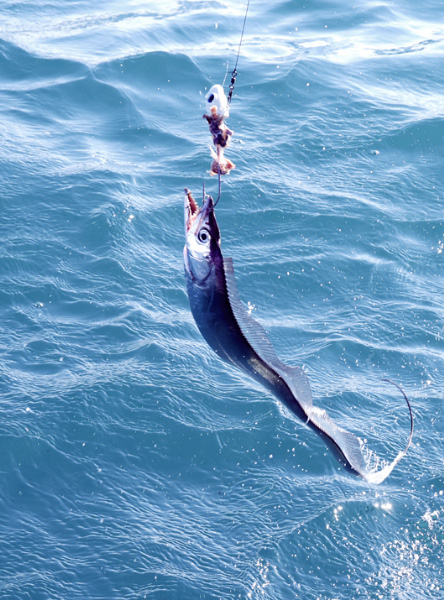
220 185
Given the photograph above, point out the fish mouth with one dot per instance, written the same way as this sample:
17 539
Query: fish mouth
192 210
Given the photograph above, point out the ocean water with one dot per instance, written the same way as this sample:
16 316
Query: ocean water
134 463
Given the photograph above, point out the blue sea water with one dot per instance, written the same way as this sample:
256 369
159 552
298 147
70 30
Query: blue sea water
134 463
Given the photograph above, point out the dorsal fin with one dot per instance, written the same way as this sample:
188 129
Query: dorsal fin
252 330
298 383
345 443
256 336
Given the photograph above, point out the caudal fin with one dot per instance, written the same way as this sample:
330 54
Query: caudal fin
350 449
379 476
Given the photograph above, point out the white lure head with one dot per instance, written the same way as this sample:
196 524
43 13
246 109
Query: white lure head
216 98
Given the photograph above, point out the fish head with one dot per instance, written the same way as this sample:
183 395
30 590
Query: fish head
216 102
202 237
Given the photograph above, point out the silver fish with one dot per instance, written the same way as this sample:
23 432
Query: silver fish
241 341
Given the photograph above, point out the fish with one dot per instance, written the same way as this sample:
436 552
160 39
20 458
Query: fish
241 341
217 110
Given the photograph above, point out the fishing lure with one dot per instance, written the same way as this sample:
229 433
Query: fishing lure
217 110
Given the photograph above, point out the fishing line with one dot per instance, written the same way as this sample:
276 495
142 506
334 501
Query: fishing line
234 71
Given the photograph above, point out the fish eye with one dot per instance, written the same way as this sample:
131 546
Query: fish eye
211 98
203 236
